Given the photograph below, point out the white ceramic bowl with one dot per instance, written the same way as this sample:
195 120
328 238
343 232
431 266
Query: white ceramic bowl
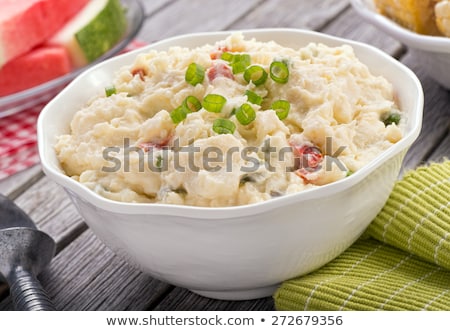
239 252
431 52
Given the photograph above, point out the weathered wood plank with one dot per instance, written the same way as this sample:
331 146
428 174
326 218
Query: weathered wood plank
436 118
442 152
351 26
88 276
298 14
182 299
85 266
151 7
95 279
50 208
185 16
14 185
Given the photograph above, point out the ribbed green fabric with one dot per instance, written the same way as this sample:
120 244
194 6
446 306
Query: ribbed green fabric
402 262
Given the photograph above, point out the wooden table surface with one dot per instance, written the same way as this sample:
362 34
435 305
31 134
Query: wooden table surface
86 275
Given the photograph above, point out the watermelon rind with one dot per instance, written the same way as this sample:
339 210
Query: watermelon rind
103 32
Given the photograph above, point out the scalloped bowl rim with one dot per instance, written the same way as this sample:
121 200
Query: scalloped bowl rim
367 10
128 208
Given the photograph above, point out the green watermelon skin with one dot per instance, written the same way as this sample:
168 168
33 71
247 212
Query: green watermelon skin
33 68
25 24
93 46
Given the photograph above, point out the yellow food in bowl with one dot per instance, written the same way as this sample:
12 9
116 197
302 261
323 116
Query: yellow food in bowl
429 17
233 123
442 11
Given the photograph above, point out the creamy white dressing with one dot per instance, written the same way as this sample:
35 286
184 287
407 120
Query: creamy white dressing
126 147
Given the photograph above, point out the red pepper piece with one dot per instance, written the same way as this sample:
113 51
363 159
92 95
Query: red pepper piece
149 145
217 54
219 70
140 72
309 157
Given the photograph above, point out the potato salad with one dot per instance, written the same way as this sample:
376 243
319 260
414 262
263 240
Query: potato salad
237 122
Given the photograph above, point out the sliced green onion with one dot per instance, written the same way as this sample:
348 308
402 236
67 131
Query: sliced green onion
223 126
253 98
281 107
279 72
245 114
240 63
226 56
191 104
391 118
159 160
214 103
110 90
178 114
195 74
255 74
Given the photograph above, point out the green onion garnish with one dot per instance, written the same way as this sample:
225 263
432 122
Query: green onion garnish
279 72
253 98
240 63
281 107
195 74
226 56
255 74
110 90
191 104
214 102
159 160
245 114
223 126
391 118
178 114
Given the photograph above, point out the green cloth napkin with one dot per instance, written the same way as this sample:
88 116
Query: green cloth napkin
402 262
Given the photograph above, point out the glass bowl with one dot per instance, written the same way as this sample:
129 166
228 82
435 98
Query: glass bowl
19 101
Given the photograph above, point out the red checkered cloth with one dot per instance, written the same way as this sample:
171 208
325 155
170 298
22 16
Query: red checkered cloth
18 150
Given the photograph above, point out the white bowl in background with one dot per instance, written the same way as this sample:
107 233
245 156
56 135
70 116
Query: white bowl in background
431 52
240 252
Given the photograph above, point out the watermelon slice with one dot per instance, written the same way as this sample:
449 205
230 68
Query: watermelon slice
33 68
26 23
93 31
